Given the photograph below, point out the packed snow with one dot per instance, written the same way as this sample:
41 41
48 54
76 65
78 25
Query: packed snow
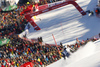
67 24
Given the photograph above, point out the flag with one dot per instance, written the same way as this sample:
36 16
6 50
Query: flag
4 41
9 8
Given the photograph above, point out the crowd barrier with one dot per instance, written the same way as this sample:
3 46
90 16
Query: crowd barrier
31 40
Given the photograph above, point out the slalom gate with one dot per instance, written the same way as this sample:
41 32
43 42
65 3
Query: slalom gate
48 8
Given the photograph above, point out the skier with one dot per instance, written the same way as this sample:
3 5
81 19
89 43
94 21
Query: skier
91 13
64 56
65 53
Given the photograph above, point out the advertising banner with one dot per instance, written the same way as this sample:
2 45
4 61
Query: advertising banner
28 64
49 5
43 7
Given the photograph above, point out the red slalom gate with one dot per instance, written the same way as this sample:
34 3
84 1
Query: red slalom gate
29 15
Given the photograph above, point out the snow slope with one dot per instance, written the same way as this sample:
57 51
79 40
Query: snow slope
87 56
67 24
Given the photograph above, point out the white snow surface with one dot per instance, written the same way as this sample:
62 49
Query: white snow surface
67 24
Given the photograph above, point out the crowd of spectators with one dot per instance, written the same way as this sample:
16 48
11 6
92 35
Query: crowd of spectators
74 47
19 51
12 22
